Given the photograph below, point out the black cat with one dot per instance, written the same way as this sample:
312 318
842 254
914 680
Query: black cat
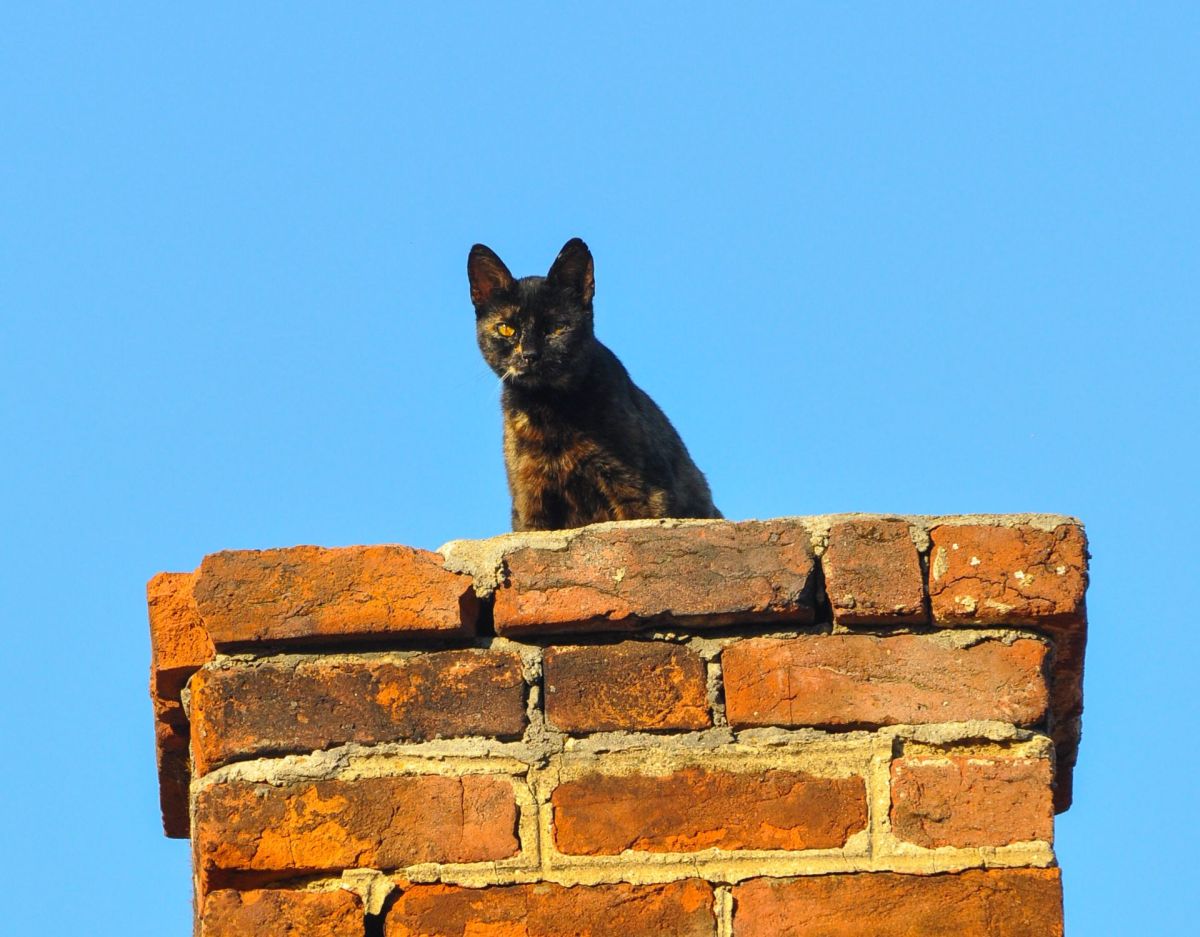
582 443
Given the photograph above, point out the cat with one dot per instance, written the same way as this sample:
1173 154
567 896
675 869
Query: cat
582 442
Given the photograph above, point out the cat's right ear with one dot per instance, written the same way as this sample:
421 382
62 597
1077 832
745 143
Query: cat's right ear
487 274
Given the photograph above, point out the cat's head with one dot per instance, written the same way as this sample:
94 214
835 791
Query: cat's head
534 332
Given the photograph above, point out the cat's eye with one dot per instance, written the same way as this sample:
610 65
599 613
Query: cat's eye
506 330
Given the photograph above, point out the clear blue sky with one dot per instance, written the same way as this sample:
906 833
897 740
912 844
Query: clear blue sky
914 258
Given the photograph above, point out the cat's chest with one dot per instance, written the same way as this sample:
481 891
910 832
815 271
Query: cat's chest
548 446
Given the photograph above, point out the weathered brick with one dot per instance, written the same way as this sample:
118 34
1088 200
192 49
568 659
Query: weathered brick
628 686
873 573
633 577
313 594
289 705
679 909
698 808
178 646
1007 575
380 823
976 903
281 913
171 739
977 798
843 680
1066 702
992 574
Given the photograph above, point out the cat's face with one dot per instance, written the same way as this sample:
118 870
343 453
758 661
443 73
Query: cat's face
534 332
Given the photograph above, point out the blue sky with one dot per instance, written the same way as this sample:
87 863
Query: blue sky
914 258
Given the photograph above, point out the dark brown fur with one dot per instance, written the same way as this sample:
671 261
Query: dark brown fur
582 442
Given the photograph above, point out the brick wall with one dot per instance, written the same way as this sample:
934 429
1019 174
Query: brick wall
803 726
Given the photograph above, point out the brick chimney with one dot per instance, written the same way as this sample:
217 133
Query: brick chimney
804 726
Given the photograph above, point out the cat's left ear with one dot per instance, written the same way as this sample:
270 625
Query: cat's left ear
572 270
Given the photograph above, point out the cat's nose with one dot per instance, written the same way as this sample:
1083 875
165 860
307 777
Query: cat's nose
530 355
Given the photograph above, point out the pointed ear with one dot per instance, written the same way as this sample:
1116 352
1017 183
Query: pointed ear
487 274
572 269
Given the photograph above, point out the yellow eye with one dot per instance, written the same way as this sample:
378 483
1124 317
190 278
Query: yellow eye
506 330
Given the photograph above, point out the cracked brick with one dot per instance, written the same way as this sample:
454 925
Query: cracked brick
994 575
318 594
849 680
623 579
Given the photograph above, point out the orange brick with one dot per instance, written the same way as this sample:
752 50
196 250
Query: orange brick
873 573
845 680
679 909
698 808
993 903
1019 575
280 913
972 799
290 705
622 579
632 685
327 826
318 594
178 646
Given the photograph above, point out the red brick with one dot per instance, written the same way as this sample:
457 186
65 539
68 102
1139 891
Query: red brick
679 909
977 903
315 594
171 738
369 823
280 913
178 646
632 685
844 680
698 808
630 577
986 798
873 573
987 574
290 705
1016 575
